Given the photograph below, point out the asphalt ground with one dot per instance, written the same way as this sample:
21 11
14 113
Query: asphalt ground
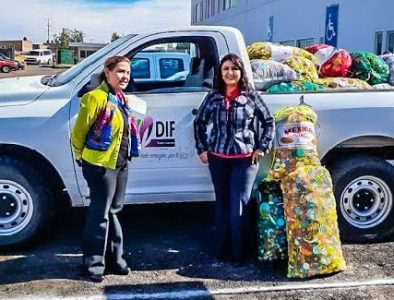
168 247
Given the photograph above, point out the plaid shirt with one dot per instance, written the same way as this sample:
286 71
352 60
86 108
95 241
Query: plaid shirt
233 131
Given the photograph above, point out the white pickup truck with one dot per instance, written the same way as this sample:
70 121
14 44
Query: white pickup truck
356 140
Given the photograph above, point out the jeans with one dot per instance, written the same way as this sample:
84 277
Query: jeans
235 215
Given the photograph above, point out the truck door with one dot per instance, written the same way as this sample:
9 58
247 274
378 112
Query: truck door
168 168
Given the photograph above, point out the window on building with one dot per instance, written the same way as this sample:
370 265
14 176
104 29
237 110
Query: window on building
212 8
228 4
82 54
390 41
304 43
207 9
288 43
202 11
378 42
199 12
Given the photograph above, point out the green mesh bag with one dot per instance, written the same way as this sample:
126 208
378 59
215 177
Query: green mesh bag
284 87
272 243
369 67
296 86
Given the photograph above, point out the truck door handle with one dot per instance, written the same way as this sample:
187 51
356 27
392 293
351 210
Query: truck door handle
194 111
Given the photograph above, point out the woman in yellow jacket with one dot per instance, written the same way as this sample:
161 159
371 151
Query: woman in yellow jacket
101 143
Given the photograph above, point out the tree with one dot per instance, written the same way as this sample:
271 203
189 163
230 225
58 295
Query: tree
115 36
66 36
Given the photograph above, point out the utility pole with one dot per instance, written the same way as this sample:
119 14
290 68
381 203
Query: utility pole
48 25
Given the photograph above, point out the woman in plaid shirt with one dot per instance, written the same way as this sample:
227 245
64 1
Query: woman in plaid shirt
232 151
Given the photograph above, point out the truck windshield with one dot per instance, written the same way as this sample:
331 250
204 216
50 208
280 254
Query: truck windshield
68 75
33 53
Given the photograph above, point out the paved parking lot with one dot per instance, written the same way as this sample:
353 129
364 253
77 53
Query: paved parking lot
168 247
32 70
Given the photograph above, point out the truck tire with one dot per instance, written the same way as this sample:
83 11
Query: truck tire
364 189
25 203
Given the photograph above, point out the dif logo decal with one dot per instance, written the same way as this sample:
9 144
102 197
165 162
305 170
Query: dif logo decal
156 134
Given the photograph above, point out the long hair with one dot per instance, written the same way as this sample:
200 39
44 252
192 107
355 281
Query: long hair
111 64
243 83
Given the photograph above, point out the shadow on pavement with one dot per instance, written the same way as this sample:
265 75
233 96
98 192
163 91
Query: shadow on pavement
157 237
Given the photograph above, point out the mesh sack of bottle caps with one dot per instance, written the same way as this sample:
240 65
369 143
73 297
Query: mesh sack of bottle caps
343 83
295 141
305 68
389 59
369 67
272 243
310 214
269 72
382 86
314 247
277 52
295 86
332 62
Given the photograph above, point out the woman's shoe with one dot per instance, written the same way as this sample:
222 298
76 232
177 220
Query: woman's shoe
96 278
89 276
116 270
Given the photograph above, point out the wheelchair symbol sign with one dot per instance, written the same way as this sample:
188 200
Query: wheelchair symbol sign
331 29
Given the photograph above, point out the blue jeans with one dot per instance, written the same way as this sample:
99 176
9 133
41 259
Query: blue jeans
233 180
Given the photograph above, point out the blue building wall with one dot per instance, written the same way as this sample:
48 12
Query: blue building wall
294 20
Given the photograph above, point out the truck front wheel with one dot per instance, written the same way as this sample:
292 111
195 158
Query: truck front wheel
364 189
25 203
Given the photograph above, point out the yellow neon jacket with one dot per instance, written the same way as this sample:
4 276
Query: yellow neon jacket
92 104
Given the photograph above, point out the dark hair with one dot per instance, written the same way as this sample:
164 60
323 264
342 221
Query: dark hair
111 64
243 83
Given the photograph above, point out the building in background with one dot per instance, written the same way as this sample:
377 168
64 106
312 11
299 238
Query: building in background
15 47
83 50
352 25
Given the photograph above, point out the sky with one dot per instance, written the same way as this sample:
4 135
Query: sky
97 19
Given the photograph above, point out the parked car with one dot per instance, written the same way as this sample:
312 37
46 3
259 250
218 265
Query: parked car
39 56
6 66
18 64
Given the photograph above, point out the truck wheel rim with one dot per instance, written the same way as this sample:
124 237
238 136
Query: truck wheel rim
16 207
366 202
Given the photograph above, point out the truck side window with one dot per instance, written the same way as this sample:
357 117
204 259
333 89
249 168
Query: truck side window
170 66
140 68
174 65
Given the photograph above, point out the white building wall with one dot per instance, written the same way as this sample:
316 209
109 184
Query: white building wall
358 20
